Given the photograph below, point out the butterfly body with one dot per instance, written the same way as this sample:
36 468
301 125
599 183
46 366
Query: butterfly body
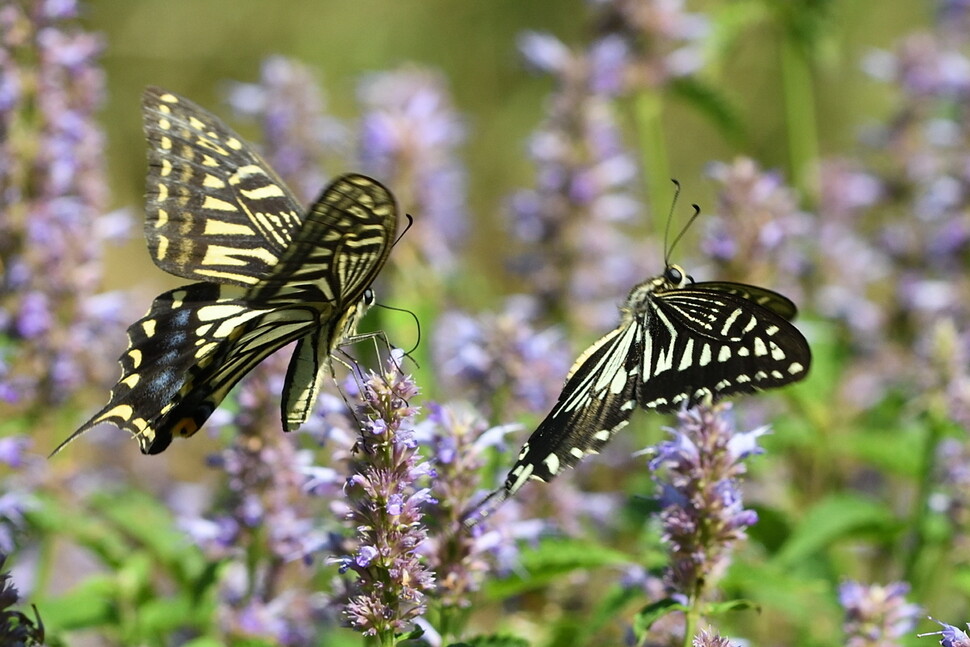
677 343
268 272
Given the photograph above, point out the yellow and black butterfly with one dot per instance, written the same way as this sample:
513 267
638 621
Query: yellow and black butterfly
271 274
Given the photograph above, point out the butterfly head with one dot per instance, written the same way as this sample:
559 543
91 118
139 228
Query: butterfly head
674 277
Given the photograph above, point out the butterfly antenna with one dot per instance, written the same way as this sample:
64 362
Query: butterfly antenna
417 323
406 229
697 212
670 217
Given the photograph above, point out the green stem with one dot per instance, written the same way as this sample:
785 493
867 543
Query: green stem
800 118
936 426
692 619
648 107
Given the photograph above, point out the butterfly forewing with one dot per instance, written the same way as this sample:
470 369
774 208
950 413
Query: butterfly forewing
595 403
215 211
678 344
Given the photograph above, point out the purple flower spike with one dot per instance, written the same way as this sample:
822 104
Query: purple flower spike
951 636
876 615
703 515
387 511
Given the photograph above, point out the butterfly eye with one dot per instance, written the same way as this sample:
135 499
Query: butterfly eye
674 275
368 298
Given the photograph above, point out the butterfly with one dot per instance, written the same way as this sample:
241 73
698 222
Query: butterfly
678 343
269 273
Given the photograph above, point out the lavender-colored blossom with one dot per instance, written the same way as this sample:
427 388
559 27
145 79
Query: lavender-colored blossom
757 231
454 435
698 472
876 615
710 638
578 262
663 40
16 628
52 196
387 500
499 361
951 636
298 136
409 136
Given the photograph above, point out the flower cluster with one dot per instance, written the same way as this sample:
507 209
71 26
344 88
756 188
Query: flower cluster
499 361
408 138
52 189
757 231
703 515
387 501
578 262
876 615
662 41
297 133
951 636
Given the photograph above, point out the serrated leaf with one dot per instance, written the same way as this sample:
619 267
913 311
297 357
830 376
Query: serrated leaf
830 520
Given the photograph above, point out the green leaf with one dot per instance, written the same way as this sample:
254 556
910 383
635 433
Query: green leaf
832 519
720 608
89 604
713 104
653 612
493 640
553 558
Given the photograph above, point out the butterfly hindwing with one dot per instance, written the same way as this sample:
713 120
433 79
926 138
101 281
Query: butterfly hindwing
179 331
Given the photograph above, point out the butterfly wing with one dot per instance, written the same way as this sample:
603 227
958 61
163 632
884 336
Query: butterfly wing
595 403
169 349
336 255
707 341
215 211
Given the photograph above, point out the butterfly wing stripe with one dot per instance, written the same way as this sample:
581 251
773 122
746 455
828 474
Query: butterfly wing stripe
589 402
214 208
777 303
211 380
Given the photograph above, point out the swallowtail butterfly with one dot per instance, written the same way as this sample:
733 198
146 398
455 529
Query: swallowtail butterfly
678 343
271 273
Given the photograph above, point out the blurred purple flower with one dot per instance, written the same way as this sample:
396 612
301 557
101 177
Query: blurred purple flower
454 434
875 615
577 260
662 40
298 136
951 636
387 502
703 515
500 362
757 234
52 198
409 136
